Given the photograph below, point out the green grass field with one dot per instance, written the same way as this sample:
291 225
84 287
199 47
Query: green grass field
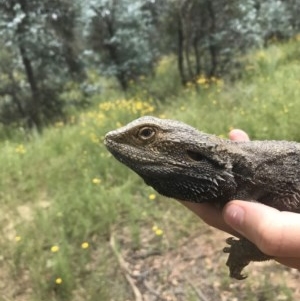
65 200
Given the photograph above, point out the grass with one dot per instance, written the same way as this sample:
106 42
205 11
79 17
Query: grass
265 103
63 196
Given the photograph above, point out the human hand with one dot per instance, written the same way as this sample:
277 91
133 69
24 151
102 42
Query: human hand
274 232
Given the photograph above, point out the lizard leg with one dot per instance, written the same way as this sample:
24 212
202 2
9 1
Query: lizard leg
241 253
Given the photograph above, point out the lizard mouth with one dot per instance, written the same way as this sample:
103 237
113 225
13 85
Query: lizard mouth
118 155
107 141
113 147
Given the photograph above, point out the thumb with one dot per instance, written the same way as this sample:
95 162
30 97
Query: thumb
274 232
238 135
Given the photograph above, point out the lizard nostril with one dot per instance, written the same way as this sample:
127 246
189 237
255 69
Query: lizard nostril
106 139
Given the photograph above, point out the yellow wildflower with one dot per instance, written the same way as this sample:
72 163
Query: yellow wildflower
94 138
201 80
157 230
220 82
152 196
85 245
261 55
54 249
20 149
58 281
59 124
139 105
96 181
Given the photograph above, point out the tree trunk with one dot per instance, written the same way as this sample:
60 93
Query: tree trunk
33 110
180 57
197 55
188 61
212 44
114 55
15 96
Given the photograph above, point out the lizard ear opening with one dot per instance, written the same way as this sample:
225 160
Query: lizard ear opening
195 156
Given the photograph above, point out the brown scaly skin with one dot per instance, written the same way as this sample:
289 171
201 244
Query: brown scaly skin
180 162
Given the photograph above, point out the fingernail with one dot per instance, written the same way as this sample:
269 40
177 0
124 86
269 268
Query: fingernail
234 216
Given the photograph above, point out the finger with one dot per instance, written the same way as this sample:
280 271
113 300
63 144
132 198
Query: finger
290 262
210 215
238 135
274 232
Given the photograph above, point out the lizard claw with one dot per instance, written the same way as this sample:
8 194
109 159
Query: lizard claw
230 241
241 252
237 276
236 260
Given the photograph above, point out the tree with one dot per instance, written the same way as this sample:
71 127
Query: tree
30 33
122 33
210 35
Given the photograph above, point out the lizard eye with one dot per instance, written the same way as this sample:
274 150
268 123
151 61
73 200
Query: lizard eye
146 133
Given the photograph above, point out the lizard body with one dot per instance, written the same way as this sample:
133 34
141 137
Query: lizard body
183 163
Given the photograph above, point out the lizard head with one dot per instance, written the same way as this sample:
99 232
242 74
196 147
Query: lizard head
175 159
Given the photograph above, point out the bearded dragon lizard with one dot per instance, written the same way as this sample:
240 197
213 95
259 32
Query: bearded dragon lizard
183 163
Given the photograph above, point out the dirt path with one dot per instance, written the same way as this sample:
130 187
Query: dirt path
196 270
